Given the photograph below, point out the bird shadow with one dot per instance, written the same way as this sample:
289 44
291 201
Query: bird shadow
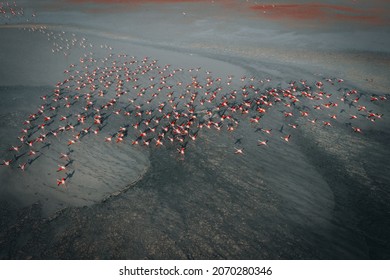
70 175
31 161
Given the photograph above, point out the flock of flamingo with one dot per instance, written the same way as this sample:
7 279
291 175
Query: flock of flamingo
12 12
161 105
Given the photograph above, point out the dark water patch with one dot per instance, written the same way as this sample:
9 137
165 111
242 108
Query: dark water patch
361 214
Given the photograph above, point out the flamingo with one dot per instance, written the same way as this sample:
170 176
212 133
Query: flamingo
268 131
64 156
262 142
286 138
22 166
61 168
181 150
61 181
14 148
159 142
6 162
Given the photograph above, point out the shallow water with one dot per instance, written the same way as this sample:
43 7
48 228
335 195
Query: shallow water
310 199
199 209
324 195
